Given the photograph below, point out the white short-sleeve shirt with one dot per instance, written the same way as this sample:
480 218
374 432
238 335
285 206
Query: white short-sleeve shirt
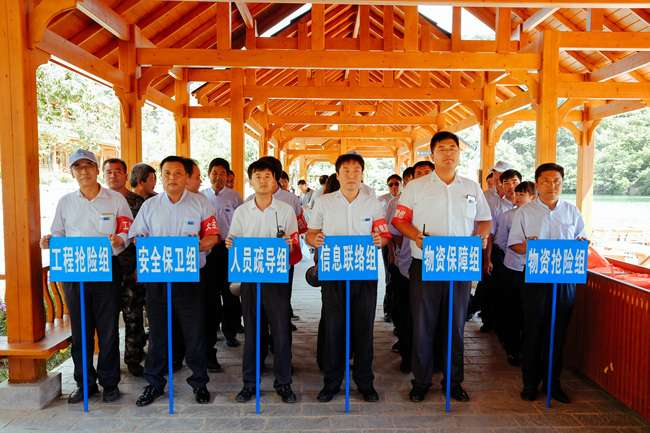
537 219
250 221
108 213
292 200
512 260
446 210
191 215
224 202
335 216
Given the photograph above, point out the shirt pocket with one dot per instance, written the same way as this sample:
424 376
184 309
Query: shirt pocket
363 226
107 224
470 208
191 226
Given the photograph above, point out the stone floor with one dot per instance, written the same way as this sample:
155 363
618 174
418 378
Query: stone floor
492 384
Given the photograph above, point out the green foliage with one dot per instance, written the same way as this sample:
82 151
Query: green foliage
73 109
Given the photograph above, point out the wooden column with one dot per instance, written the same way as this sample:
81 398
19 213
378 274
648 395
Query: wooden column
237 141
20 188
182 121
130 103
547 115
487 136
586 161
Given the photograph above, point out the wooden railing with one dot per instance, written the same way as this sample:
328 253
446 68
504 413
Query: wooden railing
57 327
608 339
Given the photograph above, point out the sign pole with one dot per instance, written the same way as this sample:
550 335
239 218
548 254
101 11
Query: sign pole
84 348
257 348
451 312
170 350
550 349
347 346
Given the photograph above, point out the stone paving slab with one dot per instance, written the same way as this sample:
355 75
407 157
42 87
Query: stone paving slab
493 386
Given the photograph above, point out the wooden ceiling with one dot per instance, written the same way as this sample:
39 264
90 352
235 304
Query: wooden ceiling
294 95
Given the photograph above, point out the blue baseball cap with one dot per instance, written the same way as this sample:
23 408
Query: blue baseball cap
80 154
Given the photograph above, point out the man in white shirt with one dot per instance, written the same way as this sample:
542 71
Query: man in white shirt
176 212
348 211
219 299
93 211
322 181
266 216
546 217
448 205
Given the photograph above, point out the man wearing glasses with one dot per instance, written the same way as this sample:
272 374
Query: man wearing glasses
94 211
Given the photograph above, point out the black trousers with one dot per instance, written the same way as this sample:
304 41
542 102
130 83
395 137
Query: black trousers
401 313
388 296
219 299
537 301
363 301
187 304
102 303
512 318
276 309
429 303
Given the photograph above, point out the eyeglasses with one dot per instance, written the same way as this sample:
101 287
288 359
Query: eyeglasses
80 168
390 184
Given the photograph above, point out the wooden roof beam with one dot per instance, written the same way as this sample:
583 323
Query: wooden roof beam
352 120
330 134
607 90
356 93
245 13
624 66
615 108
329 60
106 17
605 41
537 18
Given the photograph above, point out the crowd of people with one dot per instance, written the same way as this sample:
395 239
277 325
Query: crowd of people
428 199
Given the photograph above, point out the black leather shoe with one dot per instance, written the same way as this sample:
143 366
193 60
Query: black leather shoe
148 396
293 328
559 395
111 394
417 393
387 318
232 342
326 395
369 395
529 393
202 395
214 366
457 393
77 396
135 369
405 367
245 395
287 394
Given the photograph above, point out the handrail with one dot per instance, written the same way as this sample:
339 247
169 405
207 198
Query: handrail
608 339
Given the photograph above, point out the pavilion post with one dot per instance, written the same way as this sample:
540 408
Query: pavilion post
130 104
547 112
586 161
20 188
487 128
182 121
237 141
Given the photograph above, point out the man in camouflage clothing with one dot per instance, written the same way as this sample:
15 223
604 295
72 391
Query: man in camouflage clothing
133 294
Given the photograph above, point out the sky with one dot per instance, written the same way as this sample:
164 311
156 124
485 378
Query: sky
470 26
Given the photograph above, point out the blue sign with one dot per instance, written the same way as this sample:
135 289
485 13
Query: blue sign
167 259
452 258
258 260
347 258
556 261
80 259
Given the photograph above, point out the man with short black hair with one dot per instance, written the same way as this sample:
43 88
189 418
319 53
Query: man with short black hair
230 183
176 212
348 211
219 299
322 180
133 294
546 217
448 205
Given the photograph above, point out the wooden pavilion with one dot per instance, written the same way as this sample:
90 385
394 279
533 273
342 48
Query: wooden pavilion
374 76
